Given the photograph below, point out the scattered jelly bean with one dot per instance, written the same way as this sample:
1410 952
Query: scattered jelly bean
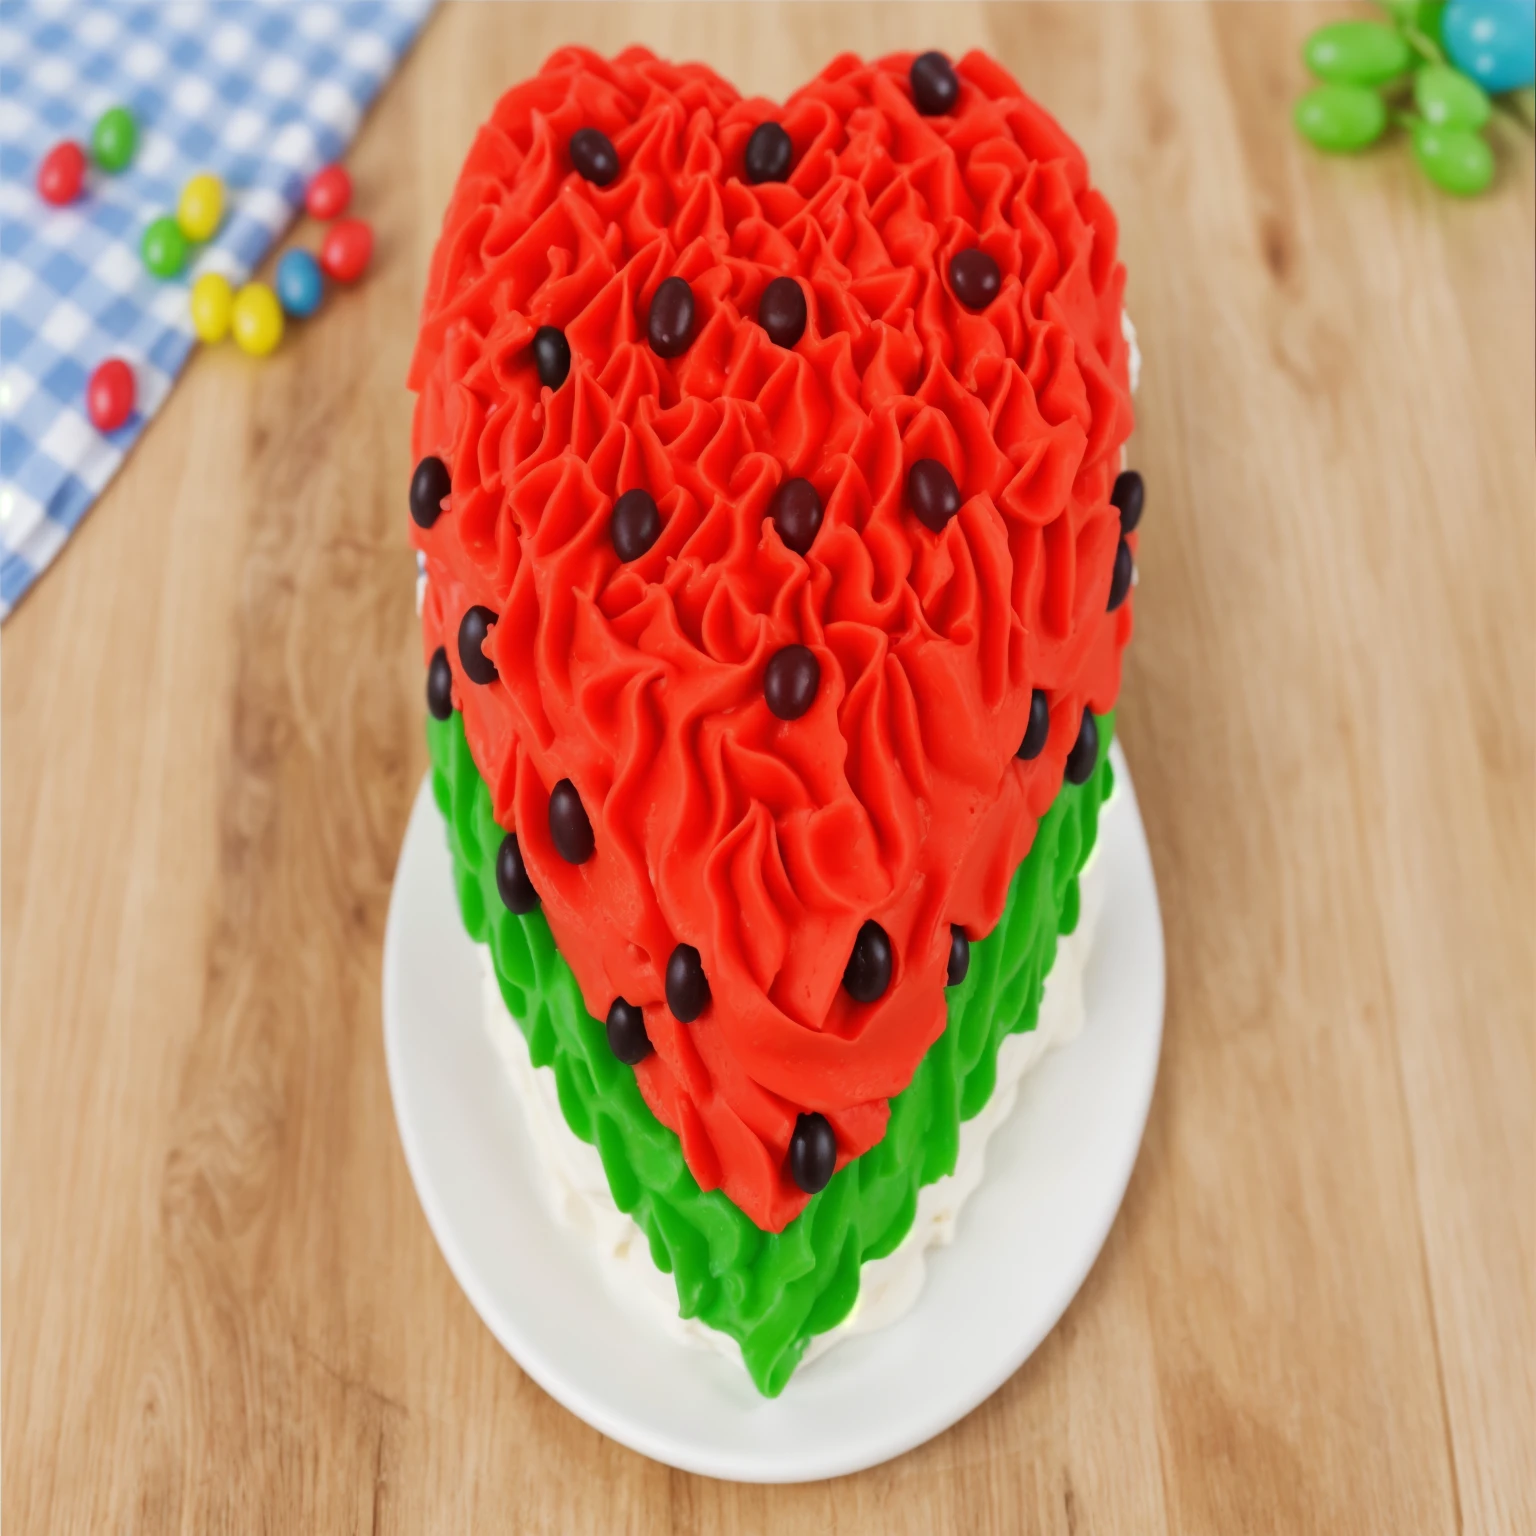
1449 99
164 247
114 139
345 250
298 283
1455 159
257 319
1494 41
109 395
201 206
1357 53
1341 118
328 193
211 304
61 173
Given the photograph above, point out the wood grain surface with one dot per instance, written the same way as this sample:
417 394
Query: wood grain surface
222 1307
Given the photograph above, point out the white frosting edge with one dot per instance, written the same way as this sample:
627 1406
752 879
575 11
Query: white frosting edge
576 1190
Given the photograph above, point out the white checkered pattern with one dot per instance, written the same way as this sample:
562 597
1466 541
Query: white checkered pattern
262 94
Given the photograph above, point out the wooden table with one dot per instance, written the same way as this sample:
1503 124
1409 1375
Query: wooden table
222 1306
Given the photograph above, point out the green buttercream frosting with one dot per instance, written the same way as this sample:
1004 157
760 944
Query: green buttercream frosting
770 1292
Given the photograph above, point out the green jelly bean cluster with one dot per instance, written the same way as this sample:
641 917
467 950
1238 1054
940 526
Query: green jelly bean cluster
1377 74
771 1292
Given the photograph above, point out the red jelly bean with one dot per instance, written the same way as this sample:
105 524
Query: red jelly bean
109 395
345 250
328 193
62 173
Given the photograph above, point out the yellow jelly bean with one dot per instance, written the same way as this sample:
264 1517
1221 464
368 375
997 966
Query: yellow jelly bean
257 318
201 206
211 302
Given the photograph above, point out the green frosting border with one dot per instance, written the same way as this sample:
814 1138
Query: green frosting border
771 1292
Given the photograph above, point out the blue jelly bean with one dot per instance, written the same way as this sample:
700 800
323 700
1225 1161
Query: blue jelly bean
298 283
1494 41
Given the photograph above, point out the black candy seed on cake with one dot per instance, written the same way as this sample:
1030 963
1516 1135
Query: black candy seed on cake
935 85
791 681
627 1038
932 493
1039 726
1120 582
1084 755
551 355
439 685
512 882
781 311
687 986
769 153
429 484
478 667
593 156
635 524
812 1153
959 956
569 829
868 972
1128 495
796 513
975 277
670 323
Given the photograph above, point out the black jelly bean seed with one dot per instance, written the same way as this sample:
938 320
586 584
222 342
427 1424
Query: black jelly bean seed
670 323
687 986
975 278
781 311
1128 496
551 356
812 1153
1120 581
1039 727
959 956
868 972
935 85
796 513
429 485
635 524
769 153
932 493
512 882
569 828
627 1038
593 156
473 628
439 685
791 681
1084 756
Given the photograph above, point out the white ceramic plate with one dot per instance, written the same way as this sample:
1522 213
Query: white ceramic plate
1055 1175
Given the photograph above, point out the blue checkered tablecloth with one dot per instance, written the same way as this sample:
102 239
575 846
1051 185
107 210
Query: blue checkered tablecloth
262 94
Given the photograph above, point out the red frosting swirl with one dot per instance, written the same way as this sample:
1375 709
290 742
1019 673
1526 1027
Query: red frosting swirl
767 843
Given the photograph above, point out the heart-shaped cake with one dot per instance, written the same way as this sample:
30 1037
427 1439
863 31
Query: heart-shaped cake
777 565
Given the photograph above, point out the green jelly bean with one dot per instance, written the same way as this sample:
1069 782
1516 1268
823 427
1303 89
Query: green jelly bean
1449 99
1422 15
1455 159
1341 118
165 247
1357 53
114 139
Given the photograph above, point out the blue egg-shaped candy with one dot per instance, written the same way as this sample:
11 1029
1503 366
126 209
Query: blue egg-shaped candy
1494 41
299 285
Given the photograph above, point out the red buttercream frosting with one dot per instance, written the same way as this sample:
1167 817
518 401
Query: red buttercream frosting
767 843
